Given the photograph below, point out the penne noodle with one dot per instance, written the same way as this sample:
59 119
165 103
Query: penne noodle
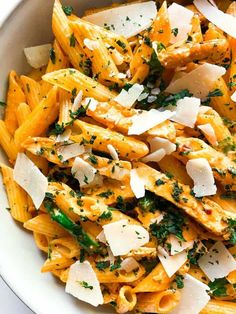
65 37
44 225
22 113
7 142
39 119
126 147
17 197
15 96
32 91
158 302
73 80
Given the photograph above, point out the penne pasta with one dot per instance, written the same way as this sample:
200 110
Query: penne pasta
73 80
39 119
15 96
17 197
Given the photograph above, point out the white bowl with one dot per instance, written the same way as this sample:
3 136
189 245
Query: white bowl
28 23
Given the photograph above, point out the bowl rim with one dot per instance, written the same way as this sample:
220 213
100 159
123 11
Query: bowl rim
8 10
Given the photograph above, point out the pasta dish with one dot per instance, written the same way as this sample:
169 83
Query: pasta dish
121 144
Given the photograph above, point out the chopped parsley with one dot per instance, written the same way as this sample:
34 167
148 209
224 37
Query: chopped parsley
106 194
93 159
107 215
116 265
102 265
215 93
67 10
58 129
189 39
155 64
179 279
195 253
160 182
218 287
147 203
232 230
147 41
172 223
72 40
227 145
175 31
85 285
121 44
52 55
176 191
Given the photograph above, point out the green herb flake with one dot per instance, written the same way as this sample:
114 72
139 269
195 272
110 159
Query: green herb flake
176 191
52 55
215 93
218 287
102 265
72 40
85 285
179 279
172 223
106 194
160 182
107 215
175 31
68 10
2 104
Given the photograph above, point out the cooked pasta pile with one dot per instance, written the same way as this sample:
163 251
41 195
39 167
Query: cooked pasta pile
122 147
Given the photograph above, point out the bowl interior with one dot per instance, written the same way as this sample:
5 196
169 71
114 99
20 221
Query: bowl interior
20 260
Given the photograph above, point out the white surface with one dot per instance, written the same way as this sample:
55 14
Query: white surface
20 260
10 303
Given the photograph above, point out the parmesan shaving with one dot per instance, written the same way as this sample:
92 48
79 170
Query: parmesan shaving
224 21
83 284
178 246
209 133
64 137
157 220
218 262
69 151
201 173
233 96
158 143
181 25
91 44
129 264
128 98
83 171
187 111
194 297
148 119
101 237
113 152
123 237
173 263
77 101
91 103
127 20
30 178
199 81
155 156
136 184
38 56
